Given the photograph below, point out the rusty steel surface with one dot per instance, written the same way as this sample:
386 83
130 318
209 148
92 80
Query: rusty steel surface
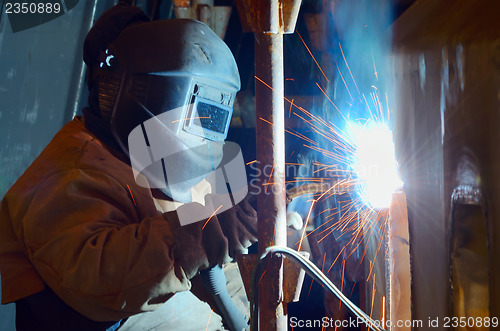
182 3
294 279
290 12
271 16
271 202
269 19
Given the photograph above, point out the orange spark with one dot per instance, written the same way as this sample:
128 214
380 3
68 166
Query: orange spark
345 119
270 87
261 277
189 118
270 176
209 317
309 214
353 288
245 308
342 283
215 212
298 135
310 288
131 195
348 68
373 299
312 56
341 76
368 106
383 310
372 264
336 259
306 223
374 67
388 110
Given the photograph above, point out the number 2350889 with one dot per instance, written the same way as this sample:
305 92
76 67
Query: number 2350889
32 8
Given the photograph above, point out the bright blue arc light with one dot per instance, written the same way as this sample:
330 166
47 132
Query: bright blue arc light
375 164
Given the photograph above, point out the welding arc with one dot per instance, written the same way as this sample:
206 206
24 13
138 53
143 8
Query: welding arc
312 271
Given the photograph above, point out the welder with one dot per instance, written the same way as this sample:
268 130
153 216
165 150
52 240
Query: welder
90 234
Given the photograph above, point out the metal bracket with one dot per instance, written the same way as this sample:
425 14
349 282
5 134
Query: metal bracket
268 16
292 282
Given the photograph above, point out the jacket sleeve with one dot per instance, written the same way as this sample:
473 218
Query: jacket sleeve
83 236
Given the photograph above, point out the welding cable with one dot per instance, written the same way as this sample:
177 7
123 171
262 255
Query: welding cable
312 271
215 283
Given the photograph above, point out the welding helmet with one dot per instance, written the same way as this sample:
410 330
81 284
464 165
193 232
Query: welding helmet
171 86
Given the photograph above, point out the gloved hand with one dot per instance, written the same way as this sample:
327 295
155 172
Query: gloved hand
205 244
239 225
294 220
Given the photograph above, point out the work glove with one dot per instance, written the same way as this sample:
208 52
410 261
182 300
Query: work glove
239 225
294 220
207 243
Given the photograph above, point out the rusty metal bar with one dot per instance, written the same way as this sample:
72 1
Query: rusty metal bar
269 19
271 203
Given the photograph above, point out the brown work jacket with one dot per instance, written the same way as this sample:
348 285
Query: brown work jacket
77 222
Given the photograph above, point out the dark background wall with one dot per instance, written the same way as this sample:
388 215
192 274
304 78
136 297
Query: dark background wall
41 72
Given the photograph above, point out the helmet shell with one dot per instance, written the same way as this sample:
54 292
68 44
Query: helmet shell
166 65
177 47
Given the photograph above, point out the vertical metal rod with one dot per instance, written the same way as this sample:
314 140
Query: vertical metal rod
75 102
269 91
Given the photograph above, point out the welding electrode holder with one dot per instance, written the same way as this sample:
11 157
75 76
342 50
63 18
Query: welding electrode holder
215 283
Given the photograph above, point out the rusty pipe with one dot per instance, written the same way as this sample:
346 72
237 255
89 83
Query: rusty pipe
271 203
269 19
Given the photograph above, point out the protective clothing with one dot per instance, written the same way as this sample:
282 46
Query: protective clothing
77 222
